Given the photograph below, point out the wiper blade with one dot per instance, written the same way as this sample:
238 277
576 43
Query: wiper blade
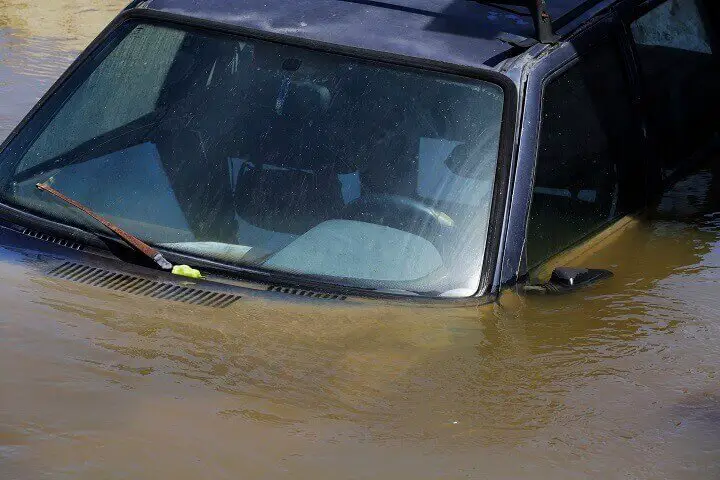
131 240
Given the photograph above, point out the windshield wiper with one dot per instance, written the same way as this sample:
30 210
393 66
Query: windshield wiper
131 240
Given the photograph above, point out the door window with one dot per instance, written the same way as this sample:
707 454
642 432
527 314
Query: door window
678 65
586 154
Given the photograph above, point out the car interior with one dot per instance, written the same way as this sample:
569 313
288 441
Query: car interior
343 170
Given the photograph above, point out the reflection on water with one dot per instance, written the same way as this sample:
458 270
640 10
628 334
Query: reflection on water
38 40
619 381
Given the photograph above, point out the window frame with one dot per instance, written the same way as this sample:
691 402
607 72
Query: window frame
607 28
505 153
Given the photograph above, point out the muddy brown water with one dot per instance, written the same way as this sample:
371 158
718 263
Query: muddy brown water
620 381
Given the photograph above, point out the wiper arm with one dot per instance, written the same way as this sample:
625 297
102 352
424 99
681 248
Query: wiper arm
131 240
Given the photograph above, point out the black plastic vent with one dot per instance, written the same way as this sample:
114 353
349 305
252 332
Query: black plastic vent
122 282
49 238
306 293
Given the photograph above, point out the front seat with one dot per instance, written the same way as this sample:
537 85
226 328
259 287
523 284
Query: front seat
289 183
188 138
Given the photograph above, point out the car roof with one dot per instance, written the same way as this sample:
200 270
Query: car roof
461 32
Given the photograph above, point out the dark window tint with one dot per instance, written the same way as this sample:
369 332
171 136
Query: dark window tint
586 155
679 68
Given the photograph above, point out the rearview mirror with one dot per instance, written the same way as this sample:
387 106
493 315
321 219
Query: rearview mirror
567 279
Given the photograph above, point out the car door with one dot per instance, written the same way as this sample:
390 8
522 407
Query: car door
675 44
587 139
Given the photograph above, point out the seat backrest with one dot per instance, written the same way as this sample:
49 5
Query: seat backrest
286 200
288 183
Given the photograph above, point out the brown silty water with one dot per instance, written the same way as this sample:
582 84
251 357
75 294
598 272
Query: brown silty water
619 381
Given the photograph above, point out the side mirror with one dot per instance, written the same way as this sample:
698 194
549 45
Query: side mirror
566 280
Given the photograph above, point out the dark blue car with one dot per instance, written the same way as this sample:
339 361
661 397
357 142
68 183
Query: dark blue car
429 150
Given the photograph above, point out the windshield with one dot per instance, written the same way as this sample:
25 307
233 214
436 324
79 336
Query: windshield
275 157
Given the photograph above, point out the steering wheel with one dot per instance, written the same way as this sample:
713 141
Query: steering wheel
401 213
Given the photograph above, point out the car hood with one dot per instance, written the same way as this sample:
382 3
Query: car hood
30 290
270 359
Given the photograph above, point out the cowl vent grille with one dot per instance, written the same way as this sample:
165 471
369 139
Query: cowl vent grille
49 238
306 293
122 282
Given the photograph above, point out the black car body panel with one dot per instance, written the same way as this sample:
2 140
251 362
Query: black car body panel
452 31
456 36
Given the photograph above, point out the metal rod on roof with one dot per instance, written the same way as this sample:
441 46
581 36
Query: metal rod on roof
542 20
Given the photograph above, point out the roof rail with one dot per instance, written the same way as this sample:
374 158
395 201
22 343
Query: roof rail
575 13
542 21
537 9
539 12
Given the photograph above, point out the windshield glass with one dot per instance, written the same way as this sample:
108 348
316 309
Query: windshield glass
270 156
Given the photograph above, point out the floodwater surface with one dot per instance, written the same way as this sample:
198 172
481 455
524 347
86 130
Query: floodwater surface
618 381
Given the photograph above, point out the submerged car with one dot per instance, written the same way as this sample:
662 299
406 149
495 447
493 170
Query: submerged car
429 150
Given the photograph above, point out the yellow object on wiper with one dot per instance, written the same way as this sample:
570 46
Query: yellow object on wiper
186 271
